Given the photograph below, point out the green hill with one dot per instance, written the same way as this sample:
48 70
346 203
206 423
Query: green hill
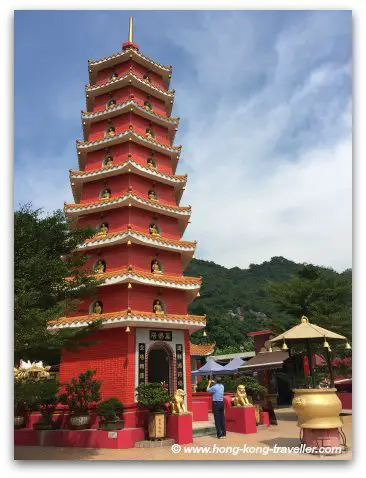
237 301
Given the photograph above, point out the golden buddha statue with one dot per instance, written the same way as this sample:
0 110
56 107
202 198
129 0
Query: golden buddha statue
103 229
150 162
114 76
147 78
148 105
106 194
97 308
154 230
158 308
111 103
152 196
99 267
108 162
149 134
155 267
111 131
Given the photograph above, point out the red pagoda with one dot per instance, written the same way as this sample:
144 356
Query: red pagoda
126 188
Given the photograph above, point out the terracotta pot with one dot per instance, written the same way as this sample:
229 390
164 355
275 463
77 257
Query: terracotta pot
317 408
156 425
79 421
19 421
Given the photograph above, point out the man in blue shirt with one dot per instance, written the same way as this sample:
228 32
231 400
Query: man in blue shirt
216 388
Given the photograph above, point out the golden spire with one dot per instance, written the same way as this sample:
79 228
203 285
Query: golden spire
130 31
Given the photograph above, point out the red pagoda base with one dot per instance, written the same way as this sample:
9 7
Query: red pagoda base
179 427
125 438
238 419
200 411
264 418
322 438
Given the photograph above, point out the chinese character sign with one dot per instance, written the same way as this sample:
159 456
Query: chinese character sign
165 336
141 363
179 365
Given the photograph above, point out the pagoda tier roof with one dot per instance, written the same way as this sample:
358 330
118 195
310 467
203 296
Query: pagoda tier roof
129 80
201 350
185 248
132 318
78 178
140 276
89 118
128 199
191 285
126 55
84 147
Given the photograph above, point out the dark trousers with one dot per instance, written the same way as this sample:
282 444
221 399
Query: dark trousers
219 416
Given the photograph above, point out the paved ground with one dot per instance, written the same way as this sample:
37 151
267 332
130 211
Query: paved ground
285 434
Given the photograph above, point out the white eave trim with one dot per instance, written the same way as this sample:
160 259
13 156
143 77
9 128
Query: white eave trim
114 139
135 167
136 321
131 199
128 105
148 87
128 52
131 277
125 236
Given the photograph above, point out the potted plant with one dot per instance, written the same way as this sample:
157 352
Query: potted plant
43 396
109 412
79 394
154 397
21 405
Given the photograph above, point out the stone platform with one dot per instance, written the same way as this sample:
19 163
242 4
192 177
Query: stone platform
154 443
90 438
204 428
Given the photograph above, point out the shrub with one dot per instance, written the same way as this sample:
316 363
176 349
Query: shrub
43 397
251 384
231 382
153 396
109 410
21 398
81 392
202 385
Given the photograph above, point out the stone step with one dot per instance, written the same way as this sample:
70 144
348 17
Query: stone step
154 443
202 431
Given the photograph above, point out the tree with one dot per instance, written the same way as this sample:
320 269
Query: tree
321 294
49 280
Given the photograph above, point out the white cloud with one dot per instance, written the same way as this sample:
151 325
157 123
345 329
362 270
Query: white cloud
44 179
270 173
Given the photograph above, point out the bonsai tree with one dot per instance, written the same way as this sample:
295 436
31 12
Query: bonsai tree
21 399
109 410
80 393
43 397
153 396
202 385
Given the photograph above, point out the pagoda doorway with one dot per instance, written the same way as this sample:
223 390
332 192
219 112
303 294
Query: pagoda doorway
159 366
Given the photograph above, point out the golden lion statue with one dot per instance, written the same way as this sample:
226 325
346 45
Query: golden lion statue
241 399
178 405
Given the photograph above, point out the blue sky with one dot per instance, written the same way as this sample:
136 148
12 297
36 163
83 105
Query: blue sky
265 104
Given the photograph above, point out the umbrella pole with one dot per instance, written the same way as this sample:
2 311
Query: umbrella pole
308 346
330 367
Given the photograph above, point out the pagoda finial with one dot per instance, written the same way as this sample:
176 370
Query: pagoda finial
129 43
130 31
